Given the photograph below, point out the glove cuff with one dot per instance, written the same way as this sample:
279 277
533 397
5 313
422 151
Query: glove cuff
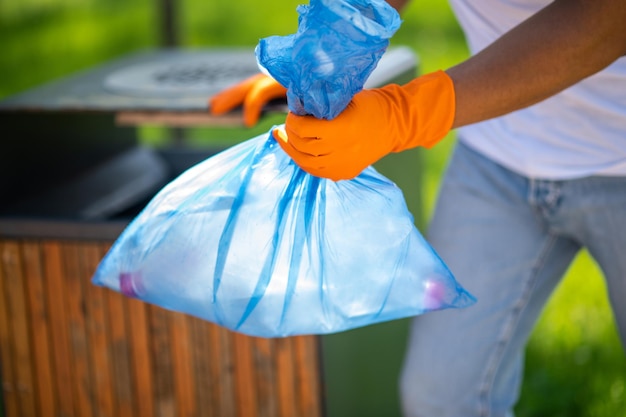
433 108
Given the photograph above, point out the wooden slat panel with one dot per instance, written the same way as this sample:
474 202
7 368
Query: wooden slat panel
20 331
141 358
40 329
93 351
285 377
245 391
56 301
265 382
74 278
9 388
99 339
164 394
182 361
223 371
308 376
200 348
123 380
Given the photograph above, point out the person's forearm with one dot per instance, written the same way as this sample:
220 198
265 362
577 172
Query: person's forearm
562 44
398 4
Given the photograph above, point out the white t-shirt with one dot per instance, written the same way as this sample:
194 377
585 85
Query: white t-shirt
578 132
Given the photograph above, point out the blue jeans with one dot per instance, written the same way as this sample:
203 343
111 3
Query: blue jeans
508 240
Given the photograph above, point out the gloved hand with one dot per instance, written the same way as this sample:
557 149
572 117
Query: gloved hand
376 122
253 93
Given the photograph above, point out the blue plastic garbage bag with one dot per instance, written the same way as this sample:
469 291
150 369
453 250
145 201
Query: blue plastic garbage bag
248 240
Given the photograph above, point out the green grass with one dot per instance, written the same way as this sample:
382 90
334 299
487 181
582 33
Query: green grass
575 358
575 365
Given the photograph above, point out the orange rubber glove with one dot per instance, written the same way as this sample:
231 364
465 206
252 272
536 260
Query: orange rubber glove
253 93
376 122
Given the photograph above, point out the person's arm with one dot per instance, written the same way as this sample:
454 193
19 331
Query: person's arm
560 45
554 49
398 4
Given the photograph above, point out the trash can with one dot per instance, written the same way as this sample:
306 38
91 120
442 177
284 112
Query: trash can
70 180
